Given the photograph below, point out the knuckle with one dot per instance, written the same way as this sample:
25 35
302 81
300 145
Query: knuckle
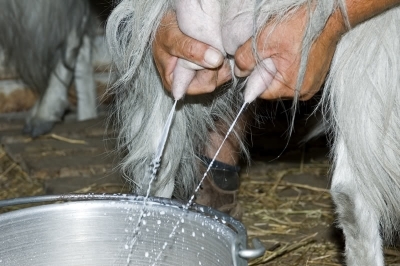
188 50
241 60
224 79
224 74
191 50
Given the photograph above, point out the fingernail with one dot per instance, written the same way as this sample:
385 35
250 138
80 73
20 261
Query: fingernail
213 57
239 73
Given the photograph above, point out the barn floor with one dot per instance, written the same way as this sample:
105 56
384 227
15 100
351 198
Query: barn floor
286 199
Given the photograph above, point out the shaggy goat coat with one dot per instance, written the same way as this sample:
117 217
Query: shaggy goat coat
47 42
361 100
139 82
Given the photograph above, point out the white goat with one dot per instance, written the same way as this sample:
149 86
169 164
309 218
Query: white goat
48 43
362 99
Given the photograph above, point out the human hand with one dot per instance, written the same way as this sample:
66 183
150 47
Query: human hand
282 42
170 44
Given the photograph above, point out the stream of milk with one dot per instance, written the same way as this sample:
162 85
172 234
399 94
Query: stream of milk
154 167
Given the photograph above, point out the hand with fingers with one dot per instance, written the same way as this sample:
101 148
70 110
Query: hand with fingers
170 44
281 42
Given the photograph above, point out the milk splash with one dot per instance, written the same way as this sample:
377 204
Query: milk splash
154 167
190 202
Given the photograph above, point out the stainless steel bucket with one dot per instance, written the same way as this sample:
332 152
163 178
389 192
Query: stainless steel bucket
98 230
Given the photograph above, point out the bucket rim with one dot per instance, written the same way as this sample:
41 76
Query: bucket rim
239 248
78 197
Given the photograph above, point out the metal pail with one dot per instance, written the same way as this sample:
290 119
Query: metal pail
91 229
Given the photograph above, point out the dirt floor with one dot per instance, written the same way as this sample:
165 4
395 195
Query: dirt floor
285 196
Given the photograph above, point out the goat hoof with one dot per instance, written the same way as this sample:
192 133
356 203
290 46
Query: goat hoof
37 128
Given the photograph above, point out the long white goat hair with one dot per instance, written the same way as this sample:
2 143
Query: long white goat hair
30 39
362 101
142 104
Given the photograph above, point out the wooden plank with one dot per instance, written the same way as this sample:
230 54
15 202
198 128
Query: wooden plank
77 184
60 160
56 155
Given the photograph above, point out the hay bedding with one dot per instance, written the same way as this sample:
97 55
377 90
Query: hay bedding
14 182
293 219
291 211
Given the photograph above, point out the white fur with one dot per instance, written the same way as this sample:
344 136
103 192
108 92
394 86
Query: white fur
44 40
361 102
363 99
54 101
143 105
84 82
130 32
51 107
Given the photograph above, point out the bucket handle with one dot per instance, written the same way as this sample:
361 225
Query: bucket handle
246 254
256 252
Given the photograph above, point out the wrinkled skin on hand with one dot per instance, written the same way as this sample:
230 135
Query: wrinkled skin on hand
282 42
170 44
